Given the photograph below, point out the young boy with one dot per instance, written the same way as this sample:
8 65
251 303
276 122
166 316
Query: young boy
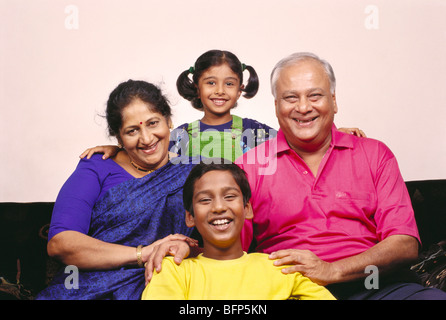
216 199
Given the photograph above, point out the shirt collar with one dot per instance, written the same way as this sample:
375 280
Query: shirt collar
338 140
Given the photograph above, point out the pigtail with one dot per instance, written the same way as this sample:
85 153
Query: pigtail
188 90
252 86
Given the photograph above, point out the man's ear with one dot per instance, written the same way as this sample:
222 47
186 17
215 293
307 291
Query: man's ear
190 221
249 214
276 107
333 96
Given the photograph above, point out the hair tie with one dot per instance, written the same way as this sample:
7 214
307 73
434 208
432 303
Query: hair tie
243 67
191 70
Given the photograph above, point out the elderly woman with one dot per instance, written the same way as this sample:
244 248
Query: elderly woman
109 215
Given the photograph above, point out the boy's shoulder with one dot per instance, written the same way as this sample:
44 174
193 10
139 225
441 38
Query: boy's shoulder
258 256
249 258
261 258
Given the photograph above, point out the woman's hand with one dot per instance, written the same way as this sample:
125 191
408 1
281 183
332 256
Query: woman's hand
355 131
176 245
108 151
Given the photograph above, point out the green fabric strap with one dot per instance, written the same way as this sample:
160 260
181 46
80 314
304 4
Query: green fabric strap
214 143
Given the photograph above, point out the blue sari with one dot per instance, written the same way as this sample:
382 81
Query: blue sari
138 211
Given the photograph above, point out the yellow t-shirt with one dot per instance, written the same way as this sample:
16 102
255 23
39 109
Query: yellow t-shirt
251 277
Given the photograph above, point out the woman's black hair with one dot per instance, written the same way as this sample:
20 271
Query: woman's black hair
187 88
217 164
128 91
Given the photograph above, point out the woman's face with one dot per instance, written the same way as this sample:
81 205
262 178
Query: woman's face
145 135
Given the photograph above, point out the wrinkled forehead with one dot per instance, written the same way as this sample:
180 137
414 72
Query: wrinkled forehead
303 75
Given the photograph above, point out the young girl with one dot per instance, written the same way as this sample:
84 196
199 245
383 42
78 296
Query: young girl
215 87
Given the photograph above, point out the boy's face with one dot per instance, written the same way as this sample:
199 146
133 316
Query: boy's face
219 214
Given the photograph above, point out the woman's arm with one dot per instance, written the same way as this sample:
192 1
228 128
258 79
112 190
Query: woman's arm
70 222
85 252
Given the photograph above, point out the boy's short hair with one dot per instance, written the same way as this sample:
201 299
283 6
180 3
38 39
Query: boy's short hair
200 169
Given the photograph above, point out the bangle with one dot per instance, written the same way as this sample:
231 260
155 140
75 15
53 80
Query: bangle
139 256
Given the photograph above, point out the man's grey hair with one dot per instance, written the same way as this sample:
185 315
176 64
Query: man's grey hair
295 58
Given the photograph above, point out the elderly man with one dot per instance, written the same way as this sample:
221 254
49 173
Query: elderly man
332 205
336 206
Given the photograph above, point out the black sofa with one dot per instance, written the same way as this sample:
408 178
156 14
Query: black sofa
25 267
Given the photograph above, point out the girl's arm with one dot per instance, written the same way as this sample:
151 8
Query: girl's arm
108 151
355 131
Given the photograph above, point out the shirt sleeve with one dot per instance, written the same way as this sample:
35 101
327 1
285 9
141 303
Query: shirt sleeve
75 201
260 133
169 284
305 289
394 214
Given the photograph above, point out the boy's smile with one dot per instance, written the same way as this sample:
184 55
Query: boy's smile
221 224
219 214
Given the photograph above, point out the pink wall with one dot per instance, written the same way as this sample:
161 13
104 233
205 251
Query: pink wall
60 59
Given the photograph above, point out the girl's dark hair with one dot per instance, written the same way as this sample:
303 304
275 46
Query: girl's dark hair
128 91
187 88
217 164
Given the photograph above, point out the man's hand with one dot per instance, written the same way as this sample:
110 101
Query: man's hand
388 255
180 249
307 263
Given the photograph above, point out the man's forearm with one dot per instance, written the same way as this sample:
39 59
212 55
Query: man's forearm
389 254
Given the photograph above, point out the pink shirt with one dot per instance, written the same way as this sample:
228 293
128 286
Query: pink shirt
357 199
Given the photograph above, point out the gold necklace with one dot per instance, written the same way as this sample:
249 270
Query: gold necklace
139 168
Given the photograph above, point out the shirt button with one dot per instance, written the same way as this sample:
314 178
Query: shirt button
305 172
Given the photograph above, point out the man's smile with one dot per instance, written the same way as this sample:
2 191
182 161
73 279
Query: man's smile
306 122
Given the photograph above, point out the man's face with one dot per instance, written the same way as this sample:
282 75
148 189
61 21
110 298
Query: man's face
305 107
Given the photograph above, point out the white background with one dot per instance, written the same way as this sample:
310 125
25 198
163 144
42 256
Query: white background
59 60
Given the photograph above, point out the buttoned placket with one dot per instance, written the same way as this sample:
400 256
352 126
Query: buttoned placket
306 173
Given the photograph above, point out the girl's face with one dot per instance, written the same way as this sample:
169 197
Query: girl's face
145 135
219 89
